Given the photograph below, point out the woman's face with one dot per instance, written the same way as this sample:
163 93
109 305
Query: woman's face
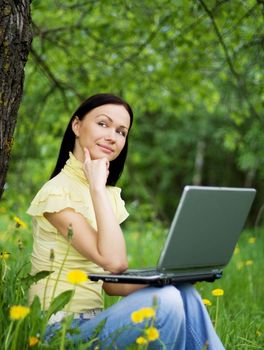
103 131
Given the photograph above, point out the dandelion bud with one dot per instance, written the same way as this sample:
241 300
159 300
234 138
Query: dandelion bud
52 255
155 301
70 232
20 244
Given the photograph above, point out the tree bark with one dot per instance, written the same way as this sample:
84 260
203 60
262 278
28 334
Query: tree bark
15 42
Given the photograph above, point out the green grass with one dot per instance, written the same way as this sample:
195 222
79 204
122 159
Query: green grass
240 320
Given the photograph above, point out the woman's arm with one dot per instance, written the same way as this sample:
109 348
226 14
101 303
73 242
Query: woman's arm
121 289
86 240
106 245
110 240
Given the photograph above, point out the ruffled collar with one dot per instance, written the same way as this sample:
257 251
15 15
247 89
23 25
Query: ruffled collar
74 168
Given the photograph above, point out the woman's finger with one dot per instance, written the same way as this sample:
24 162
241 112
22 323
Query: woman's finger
107 163
87 155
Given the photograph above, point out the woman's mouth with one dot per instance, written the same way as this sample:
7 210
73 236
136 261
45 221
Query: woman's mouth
106 149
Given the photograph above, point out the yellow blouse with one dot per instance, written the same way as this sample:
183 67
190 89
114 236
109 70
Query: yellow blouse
69 189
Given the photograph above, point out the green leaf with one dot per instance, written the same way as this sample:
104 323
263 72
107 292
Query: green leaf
59 302
30 279
36 304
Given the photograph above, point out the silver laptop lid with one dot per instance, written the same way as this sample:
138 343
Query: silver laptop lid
206 227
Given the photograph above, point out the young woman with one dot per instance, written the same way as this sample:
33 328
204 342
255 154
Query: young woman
82 194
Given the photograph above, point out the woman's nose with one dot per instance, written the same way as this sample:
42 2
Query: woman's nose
111 135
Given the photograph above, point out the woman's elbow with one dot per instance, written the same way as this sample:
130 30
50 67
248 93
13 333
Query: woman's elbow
116 266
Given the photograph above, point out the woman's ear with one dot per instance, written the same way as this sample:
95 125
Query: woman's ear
76 125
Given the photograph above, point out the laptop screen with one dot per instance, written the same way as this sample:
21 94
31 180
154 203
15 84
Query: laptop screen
206 227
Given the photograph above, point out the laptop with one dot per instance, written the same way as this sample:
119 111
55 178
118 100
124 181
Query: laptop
201 239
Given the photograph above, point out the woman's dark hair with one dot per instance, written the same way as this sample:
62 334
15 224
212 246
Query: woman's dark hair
117 165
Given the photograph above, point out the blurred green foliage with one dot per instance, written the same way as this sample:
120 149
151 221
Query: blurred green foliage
192 71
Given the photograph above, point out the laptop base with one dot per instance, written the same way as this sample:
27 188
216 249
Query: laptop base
158 279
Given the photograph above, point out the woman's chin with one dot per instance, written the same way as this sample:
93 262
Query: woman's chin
100 155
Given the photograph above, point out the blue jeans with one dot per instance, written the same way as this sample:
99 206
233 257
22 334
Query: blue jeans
181 318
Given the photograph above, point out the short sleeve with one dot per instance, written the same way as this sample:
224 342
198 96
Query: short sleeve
118 204
53 199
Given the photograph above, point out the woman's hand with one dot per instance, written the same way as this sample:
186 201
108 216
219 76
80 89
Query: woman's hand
96 170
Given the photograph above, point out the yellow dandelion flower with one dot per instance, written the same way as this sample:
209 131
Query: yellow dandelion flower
77 276
207 302
4 255
140 315
152 333
141 341
19 222
258 333
252 240
137 316
248 262
18 312
218 292
148 312
32 341
240 265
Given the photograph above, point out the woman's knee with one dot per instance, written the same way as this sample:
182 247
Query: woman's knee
170 303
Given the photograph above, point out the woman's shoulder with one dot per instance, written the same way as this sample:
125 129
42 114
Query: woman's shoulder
52 186
114 190
55 181
58 193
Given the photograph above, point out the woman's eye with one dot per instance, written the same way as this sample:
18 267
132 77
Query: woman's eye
122 132
102 124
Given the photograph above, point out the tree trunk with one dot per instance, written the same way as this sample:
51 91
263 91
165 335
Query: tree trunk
15 42
199 163
250 177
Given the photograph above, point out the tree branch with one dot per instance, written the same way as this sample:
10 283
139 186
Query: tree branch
221 40
62 86
240 20
146 42
240 82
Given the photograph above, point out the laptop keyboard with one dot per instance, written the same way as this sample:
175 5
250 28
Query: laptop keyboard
141 273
